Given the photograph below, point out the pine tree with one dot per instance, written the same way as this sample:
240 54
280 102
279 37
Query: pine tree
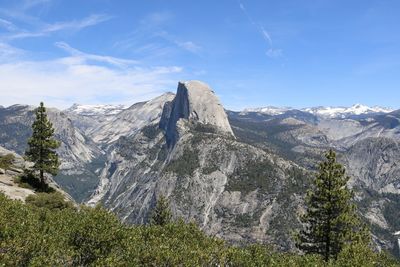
161 214
42 145
330 221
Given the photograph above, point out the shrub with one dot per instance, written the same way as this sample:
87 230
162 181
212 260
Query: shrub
49 201
6 161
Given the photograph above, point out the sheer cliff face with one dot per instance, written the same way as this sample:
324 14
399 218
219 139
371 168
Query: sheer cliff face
196 102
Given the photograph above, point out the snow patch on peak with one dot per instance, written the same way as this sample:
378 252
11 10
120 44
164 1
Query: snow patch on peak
357 109
96 110
269 110
326 112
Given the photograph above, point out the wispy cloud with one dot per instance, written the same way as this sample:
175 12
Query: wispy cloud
156 18
9 53
84 57
189 46
27 4
274 53
62 81
77 24
74 25
266 36
146 37
271 52
9 26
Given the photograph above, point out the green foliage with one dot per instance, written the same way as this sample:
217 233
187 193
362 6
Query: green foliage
97 234
185 164
330 221
253 175
6 161
49 200
38 236
161 214
42 145
363 256
260 255
151 131
392 211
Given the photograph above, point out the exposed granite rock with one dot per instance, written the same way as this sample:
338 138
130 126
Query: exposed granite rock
194 101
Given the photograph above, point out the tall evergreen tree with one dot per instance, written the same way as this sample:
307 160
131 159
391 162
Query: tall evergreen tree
42 145
161 214
331 220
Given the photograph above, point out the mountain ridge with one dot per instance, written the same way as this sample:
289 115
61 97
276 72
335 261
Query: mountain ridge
244 186
326 111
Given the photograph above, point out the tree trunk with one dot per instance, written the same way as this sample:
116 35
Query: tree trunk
41 177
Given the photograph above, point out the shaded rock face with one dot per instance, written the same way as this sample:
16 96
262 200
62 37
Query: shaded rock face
194 101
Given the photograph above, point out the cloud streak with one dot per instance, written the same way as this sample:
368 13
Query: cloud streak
85 57
9 26
271 52
47 29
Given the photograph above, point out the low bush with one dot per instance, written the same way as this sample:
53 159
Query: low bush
50 201
47 235
6 161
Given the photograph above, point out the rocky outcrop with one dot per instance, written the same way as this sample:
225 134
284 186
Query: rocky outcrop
8 178
196 102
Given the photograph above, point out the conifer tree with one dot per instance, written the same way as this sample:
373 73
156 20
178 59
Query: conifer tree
161 214
42 145
330 221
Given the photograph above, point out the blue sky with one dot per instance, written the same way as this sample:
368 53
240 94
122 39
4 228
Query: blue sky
252 52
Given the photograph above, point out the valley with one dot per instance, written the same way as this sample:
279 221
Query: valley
240 175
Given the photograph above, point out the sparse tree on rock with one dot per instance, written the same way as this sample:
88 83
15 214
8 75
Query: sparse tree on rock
42 145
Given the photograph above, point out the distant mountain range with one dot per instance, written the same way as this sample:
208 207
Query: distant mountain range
322 111
328 112
240 175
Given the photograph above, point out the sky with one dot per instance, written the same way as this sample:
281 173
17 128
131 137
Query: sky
253 53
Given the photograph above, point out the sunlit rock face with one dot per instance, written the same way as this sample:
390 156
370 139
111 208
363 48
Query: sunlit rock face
194 101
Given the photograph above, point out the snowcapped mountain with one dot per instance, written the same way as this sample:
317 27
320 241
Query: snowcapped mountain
326 112
96 110
342 112
269 110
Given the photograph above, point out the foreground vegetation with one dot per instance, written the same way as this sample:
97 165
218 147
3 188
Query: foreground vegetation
41 233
